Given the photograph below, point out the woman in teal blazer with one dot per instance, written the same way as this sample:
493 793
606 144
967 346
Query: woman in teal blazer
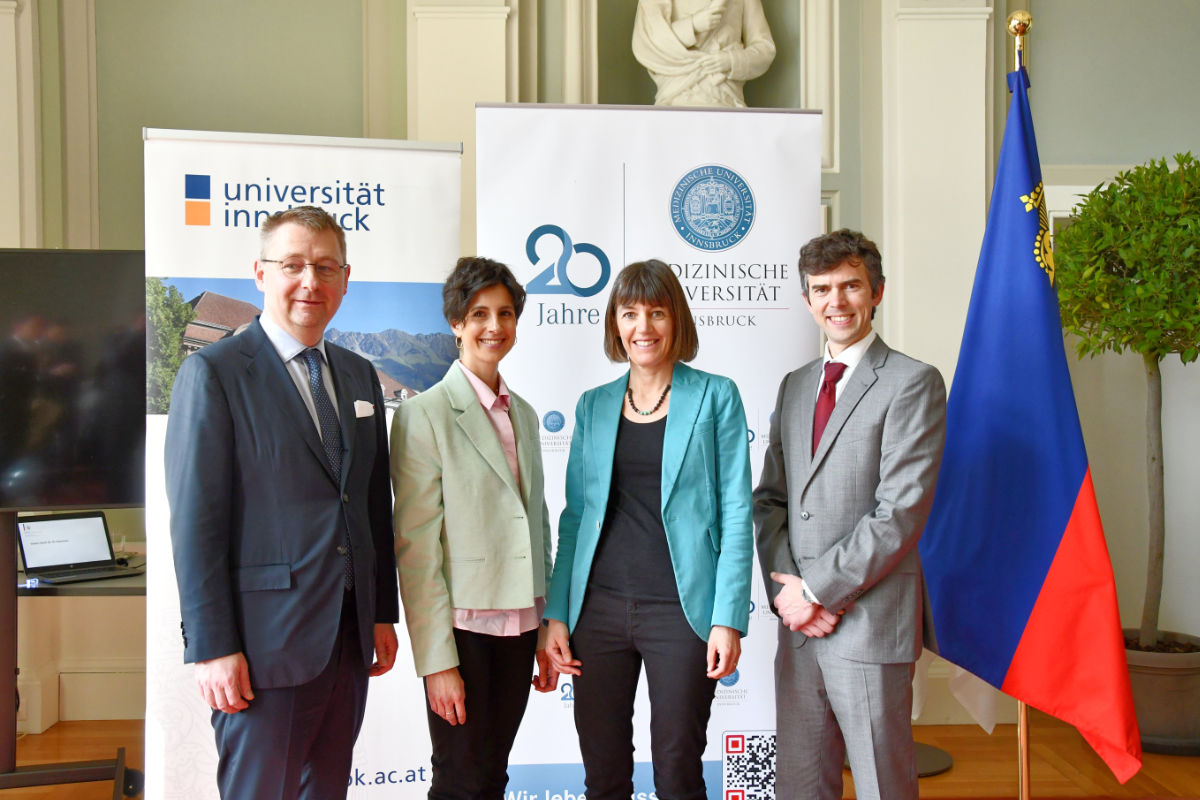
473 539
655 544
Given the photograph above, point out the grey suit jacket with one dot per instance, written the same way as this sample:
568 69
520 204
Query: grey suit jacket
847 518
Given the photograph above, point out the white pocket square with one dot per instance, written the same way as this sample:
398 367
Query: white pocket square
363 409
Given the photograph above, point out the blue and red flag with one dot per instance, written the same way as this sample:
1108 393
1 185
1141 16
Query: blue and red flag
1018 571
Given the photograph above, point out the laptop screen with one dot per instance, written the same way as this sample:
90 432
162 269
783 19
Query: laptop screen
63 540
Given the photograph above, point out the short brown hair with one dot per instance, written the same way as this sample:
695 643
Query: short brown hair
471 275
312 217
828 252
654 283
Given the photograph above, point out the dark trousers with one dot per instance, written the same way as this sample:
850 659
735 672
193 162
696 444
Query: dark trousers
297 741
470 760
614 637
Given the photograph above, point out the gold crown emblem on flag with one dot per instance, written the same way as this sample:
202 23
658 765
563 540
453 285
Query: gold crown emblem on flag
1042 252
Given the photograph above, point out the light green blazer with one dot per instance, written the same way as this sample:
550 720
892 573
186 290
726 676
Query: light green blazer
465 536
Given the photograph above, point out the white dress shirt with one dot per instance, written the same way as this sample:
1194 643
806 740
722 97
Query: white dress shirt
291 351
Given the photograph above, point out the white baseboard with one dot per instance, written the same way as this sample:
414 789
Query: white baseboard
39 700
104 664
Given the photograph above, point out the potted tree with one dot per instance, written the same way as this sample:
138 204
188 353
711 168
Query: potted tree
1128 275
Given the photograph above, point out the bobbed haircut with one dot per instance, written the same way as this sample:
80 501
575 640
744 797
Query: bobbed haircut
312 217
654 283
831 250
470 276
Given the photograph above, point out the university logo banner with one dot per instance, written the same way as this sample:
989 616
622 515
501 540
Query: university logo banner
207 194
567 196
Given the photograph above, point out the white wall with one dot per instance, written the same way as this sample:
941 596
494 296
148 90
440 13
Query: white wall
1113 85
1111 393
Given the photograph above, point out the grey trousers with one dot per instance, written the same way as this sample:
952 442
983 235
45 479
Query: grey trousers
828 707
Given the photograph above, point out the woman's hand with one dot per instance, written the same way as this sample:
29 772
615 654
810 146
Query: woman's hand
724 650
447 695
558 647
719 64
708 18
547 678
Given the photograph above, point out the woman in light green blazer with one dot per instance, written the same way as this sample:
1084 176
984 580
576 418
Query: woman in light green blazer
473 539
655 544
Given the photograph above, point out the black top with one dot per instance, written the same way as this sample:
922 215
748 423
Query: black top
633 558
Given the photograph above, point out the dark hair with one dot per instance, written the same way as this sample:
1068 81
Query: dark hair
470 276
654 283
830 251
311 217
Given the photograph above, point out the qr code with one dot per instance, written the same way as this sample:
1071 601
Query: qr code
748 765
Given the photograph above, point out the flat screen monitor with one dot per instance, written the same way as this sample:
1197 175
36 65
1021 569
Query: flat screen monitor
72 379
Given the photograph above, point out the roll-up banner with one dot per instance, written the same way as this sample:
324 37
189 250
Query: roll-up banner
207 194
567 196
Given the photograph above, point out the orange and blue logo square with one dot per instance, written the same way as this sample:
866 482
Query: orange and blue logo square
197 203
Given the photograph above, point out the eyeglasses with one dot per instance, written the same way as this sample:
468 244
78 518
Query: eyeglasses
326 271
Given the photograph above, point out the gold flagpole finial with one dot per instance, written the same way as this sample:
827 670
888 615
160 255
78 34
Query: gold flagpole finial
1019 23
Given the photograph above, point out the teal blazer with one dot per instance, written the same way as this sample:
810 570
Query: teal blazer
466 535
706 505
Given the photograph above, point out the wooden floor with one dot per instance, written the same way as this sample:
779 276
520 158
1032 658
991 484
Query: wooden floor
1061 764
78 741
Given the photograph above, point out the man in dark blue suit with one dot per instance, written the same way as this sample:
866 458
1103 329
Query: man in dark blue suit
277 476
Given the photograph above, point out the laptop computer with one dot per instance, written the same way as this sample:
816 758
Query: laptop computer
66 548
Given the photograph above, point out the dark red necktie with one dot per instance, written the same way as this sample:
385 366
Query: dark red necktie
826 399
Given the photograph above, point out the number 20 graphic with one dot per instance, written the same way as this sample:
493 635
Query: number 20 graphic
557 272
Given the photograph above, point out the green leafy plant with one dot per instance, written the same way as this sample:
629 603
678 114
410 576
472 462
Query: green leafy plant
167 316
1128 274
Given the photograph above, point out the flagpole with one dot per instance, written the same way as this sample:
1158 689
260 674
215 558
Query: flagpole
1019 23
1022 751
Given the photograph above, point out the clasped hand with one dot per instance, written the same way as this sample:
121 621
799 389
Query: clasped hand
811 619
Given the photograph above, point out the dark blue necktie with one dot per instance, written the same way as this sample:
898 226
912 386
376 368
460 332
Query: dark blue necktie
331 438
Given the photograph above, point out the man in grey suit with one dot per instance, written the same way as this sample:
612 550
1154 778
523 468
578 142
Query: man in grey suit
277 477
847 483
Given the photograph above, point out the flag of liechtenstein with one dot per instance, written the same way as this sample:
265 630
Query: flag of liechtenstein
1019 575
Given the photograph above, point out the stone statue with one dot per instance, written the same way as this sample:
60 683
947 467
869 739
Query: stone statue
700 52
